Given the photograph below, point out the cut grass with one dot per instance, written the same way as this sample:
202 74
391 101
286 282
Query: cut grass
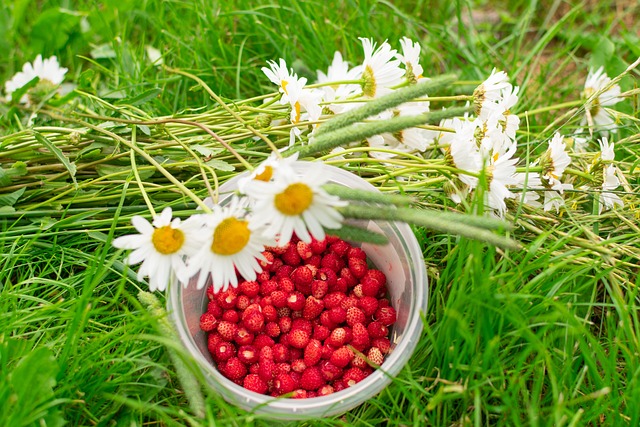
544 336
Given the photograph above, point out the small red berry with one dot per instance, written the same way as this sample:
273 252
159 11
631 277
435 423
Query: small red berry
355 315
318 246
334 299
234 369
281 353
296 301
382 343
268 286
312 379
291 257
285 324
254 383
325 390
341 357
340 248
227 330
243 302
377 330
368 305
243 336
375 356
266 369
329 371
348 276
272 329
253 321
332 262
286 285
353 376
263 276
355 252
303 324
214 308
248 354
298 365
338 315
299 394
270 313
263 340
250 289
224 351
231 316
279 298
208 322
304 250
312 308
267 262
386 315
302 276
284 384
321 332
227 299
298 338
337 338
312 352
319 288
283 272
360 340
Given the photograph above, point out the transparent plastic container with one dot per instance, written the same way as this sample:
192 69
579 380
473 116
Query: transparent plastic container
402 262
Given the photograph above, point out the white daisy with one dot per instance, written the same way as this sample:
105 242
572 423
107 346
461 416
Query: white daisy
296 204
380 71
230 241
596 115
48 71
609 200
606 149
463 151
409 139
410 57
579 143
554 162
501 174
305 106
160 247
268 169
339 71
281 76
490 92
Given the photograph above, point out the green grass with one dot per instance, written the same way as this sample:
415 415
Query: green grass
543 336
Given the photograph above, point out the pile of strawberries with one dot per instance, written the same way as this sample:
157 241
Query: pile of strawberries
314 322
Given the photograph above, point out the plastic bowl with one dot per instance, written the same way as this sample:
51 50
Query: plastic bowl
402 262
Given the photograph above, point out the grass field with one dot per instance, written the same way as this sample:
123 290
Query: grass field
547 335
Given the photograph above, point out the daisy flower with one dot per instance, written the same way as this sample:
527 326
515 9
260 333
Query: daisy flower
281 76
339 71
296 204
579 143
487 95
48 71
554 162
230 241
501 174
379 70
409 139
609 200
596 115
161 247
606 149
305 106
267 170
410 57
462 152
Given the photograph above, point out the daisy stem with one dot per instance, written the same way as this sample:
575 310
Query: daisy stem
134 168
226 107
385 102
358 132
446 98
358 234
346 193
470 226
562 105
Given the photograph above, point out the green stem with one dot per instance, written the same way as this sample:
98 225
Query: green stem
567 104
347 193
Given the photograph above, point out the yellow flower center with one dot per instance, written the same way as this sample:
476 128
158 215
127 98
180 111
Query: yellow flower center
369 86
230 236
265 175
295 199
167 240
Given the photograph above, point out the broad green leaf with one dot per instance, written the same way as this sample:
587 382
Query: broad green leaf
11 198
142 98
17 169
53 29
71 167
103 51
220 165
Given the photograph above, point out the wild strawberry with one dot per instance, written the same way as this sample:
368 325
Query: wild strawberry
224 351
285 324
253 321
248 354
386 315
214 308
291 257
338 315
298 338
267 262
297 314
279 298
319 288
265 369
312 379
375 356
312 352
296 301
254 383
327 350
277 263
208 322
270 313
353 376
339 385
265 353
284 384
263 340
355 252
318 246
302 276
263 276
312 308
340 248
383 302
283 272
282 368
253 369
337 337
325 320
360 340
304 250
303 324
325 390
227 299
234 369
314 261
281 353
359 362
227 330
298 365
299 394
348 276
321 332
264 301
333 299
348 334
342 286
332 262
377 330
286 285
243 336
250 289
357 291
272 329
342 357
212 341
368 305
382 343
377 275
329 371
268 286
231 316
355 315
210 294
242 302
370 286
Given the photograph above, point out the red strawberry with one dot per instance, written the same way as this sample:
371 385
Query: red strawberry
312 308
281 353
327 350
368 305
340 248
332 262
253 320
312 352
279 298
234 369
270 313
319 288
248 354
277 250
314 261
358 267
254 383
377 275
250 289
334 299
348 276
266 369
284 384
338 315
329 371
298 365
355 252
370 286
359 362
227 330
327 275
243 302
304 250
263 340
341 357
339 385
282 368
210 294
283 272
321 332
227 299
318 246
263 276
298 338
265 353
357 291
267 262
302 276
382 343
291 257
212 341
355 315
325 320
285 284
243 336
360 340
353 376
303 324
231 316
214 308
277 263
299 394
386 315
268 286
296 301
208 322
377 330
325 390
337 338
224 351
375 356
312 379
285 324
272 329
